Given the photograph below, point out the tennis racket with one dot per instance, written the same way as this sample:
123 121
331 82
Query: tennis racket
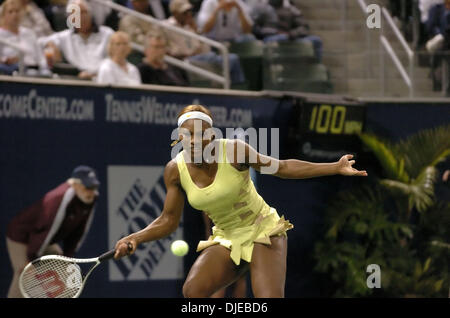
56 276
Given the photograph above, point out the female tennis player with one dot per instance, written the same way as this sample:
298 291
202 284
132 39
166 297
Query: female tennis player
246 227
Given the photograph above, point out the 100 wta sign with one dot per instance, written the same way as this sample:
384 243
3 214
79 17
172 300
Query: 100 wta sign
135 198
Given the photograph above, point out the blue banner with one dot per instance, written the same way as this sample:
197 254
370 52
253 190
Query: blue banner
125 134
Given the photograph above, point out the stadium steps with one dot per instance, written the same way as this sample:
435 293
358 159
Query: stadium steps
354 70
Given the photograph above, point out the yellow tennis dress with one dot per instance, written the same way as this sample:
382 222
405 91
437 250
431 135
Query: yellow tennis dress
240 215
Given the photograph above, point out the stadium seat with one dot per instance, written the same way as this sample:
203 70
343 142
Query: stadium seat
250 54
196 80
248 49
305 77
289 52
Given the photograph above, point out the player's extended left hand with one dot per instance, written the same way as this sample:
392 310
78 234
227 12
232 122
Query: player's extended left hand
345 167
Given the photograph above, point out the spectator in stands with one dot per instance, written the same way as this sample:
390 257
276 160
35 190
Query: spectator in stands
438 31
425 6
100 12
55 11
184 47
275 22
84 47
11 13
116 69
34 18
437 19
158 7
402 12
135 27
225 20
154 70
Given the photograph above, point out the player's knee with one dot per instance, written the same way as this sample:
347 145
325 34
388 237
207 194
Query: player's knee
193 290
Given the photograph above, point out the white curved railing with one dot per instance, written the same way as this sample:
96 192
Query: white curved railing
407 78
224 80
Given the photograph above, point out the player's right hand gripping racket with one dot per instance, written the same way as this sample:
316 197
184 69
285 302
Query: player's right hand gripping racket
56 276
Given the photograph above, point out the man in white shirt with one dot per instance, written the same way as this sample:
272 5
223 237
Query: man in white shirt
225 20
84 47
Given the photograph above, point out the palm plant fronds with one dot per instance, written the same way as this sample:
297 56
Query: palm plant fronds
426 148
392 163
440 244
420 191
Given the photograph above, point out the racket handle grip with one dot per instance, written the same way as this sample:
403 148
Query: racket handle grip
110 254
107 255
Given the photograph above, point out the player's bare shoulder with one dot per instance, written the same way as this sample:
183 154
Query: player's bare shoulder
237 153
171 173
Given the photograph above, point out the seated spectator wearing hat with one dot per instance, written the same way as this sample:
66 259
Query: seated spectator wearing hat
225 20
137 28
274 22
184 47
62 215
154 70
84 47
116 69
11 13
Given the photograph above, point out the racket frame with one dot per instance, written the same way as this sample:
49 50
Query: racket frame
96 260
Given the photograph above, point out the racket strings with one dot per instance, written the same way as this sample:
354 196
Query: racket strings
51 278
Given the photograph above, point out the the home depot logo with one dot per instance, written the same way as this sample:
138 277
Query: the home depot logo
135 199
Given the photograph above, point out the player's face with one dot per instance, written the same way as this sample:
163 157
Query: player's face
84 194
194 137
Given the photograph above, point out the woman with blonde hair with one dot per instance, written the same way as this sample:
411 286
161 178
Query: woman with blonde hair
116 69
248 235
11 13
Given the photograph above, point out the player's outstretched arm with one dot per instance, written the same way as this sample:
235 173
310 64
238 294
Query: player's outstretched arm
297 169
292 168
166 223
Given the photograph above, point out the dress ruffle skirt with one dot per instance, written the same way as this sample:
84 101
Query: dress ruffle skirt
241 240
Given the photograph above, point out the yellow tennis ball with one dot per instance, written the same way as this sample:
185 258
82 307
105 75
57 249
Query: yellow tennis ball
179 248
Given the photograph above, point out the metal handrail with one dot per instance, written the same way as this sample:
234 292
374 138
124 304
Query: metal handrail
408 50
396 61
397 32
186 65
225 80
21 53
363 5
390 51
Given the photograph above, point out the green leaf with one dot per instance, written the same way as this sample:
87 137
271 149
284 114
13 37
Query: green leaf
332 232
361 228
420 191
417 271
386 156
425 148
426 266
438 285
407 231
